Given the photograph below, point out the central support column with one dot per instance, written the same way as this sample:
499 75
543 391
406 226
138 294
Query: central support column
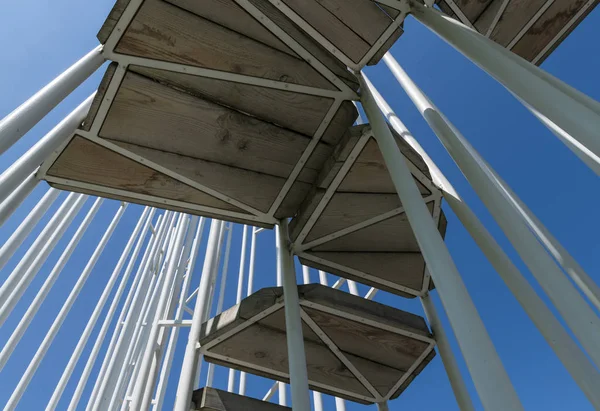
490 378
293 323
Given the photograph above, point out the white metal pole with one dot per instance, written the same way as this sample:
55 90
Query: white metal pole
281 386
45 289
138 402
323 278
450 365
192 353
55 327
239 293
26 270
165 372
13 201
21 120
491 380
575 116
20 234
110 380
293 324
85 335
31 160
340 404
249 290
306 274
352 287
98 383
578 315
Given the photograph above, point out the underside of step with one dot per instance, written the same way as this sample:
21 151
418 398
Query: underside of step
210 399
356 349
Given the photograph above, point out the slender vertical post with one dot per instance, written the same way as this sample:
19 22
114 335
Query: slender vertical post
20 234
509 214
21 120
13 201
192 353
491 380
238 297
293 324
35 305
340 404
55 327
249 289
450 365
31 160
577 116
383 406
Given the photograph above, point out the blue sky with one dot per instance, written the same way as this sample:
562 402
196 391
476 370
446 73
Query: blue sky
40 39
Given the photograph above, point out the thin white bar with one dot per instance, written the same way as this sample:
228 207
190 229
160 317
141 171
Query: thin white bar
491 380
20 234
56 325
13 201
239 293
22 119
271 392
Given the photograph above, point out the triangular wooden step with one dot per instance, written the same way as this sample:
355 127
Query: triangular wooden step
211 399
385 345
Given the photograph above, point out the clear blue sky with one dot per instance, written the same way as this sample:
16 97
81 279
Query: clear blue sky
39 39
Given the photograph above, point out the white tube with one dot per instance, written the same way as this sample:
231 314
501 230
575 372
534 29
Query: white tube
489 376
22 119
249 289
239 293
13 201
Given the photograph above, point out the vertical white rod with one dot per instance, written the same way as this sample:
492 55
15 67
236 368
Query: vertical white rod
13 201
352 287
242 388
165 372
293 324
47 286
192 353
26 270
138 402
578 315
306 274
100 381
20 234
22 119
340 404
85 335
110 380
572 115
491 380
281 387
31 160
147 216
323 278
55 327
238 297
317 397
448 360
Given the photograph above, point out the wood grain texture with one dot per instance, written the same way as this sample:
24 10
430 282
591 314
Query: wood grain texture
414 375
210 399
165 32
104 83
547 27
386 46
381 377
297 112
147 113
472 9
362 16
515 17
346 40
101 192
91 163
111 20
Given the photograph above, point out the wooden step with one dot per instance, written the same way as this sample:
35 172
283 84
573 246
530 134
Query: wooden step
356 349
352 222
210 399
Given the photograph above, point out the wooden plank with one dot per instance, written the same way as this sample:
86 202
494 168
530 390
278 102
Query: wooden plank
346 40
91 163
210 399
362 16
487 17
391 235
381 377
413 375
293 200
147 113
307 42
370 343
229 14
392 12
470 8
311 200
322 365
297 112
276 321
515 17
111 20
351 304
547 27
165 32
347 209
386 46
101 192
99 97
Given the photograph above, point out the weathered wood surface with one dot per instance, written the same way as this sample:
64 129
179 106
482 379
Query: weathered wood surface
210 399
99 97
386 46
112 19
472 9
91 163
165 32
516 15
